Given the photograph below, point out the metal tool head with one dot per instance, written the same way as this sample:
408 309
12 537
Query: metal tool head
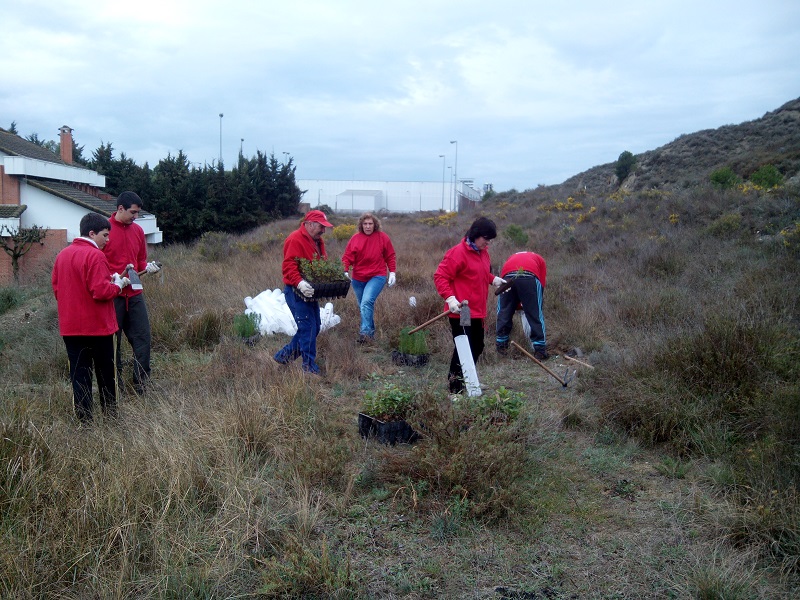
465 319
136 283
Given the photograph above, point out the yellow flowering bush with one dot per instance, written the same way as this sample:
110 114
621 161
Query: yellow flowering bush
343 232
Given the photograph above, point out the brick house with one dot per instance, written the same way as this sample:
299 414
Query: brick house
38 187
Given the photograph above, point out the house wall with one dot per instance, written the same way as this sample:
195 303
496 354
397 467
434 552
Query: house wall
37 264
47 210
9 188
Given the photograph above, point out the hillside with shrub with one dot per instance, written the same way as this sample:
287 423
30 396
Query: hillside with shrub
668 467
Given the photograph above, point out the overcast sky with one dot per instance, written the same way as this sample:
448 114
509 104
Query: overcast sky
533 91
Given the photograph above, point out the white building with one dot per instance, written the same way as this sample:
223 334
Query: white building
393 196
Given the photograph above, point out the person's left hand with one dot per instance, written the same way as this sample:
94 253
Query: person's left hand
153 267
498 281
392 279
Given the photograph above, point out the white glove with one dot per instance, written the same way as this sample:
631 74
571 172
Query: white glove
305 288
498 281
455 305
120 282
152 267
347 274
392 279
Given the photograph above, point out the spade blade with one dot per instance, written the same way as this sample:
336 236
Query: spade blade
136 283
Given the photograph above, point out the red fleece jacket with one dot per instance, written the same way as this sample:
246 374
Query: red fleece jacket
83 290
464 273
369 255
299 244
527 261
126 246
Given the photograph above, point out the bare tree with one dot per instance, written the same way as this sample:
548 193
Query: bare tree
18 242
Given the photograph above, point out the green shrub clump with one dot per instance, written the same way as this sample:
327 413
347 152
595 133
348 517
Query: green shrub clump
321 270
415 343
724 178
725 225
516 235
389 403
246 325
343 232
625 164
767 176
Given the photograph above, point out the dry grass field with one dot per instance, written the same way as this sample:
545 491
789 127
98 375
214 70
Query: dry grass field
670 470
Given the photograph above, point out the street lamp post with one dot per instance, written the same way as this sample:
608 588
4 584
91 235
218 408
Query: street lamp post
455 173
442 157
449 181
220 138
285 158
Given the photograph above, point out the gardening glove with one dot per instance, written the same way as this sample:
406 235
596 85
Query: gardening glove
153 267
392 279
347 274
305 288
455 305
120 282
498 281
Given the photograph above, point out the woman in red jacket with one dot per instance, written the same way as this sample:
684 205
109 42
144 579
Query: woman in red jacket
85 290
464 274
370 253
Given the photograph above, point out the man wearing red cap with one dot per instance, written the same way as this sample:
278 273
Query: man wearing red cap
304 242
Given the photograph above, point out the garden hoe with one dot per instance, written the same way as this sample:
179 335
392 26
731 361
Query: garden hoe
567 377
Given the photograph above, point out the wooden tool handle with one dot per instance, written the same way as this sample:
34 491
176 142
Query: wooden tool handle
538 362
429 321
503 287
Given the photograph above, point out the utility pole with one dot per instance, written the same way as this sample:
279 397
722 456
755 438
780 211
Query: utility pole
442 157
220 138
455 173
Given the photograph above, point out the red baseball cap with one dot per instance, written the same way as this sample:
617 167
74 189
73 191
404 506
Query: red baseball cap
317 216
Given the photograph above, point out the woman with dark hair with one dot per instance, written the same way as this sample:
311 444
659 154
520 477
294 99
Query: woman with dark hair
371 254
464 274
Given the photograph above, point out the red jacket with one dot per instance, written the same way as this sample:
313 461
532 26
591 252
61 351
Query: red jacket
126 246
299 244
84 292
464 273
527 261
369 255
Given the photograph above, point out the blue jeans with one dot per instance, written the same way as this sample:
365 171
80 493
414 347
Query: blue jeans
366 294
304 342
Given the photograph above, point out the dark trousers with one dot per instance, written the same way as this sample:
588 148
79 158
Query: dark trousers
528 291
304 342
135 324
87 354
474 332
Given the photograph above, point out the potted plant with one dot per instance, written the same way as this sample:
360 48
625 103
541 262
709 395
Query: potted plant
246 326
412 349
325 276
383 414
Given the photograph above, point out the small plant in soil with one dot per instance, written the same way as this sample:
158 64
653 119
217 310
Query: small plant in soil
321 270
389 403
503 405
246 325
415 343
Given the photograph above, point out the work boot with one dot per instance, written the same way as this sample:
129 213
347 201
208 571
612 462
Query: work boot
541 355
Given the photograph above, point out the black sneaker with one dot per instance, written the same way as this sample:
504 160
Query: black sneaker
502 349
541 355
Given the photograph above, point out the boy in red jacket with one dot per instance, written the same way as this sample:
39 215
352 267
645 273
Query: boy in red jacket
85 288
127 246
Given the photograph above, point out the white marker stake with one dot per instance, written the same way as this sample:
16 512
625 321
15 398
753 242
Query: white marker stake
467 366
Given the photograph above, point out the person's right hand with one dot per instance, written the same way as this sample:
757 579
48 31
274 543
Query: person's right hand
347 274
305 288
453 304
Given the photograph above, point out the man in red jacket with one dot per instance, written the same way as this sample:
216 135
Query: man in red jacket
84 288
126 249
528 271
304 242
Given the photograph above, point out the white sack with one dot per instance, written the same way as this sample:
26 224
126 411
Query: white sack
276 316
